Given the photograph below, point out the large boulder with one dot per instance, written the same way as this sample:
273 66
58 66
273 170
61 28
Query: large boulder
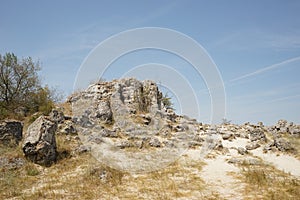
283 145
103 111
39 144
10 132
56 116
252 146
257 134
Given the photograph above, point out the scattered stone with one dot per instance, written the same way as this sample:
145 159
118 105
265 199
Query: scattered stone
198 138
244 161
94 138
269 147
295 131
67 127
123 144
56 116
281 124
179 128
242 150
139 144
252 146
243 134
154 142
282 145
260 124
108 133
10 132
193 144
11 163
214 143
39 144
257 134
146 119
227 135
83 149
169 143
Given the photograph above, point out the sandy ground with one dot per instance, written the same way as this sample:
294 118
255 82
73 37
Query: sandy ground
217 176
217 173
283 162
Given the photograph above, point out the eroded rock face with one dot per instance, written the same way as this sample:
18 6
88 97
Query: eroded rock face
282 145
56 116
127 115
103 111
257 135
10 132
115 119
39 144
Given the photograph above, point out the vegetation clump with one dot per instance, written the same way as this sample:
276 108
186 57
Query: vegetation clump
21 91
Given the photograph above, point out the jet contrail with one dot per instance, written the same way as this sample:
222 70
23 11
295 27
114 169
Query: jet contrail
284 98
265 69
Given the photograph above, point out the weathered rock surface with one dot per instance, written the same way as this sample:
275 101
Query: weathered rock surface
242 151
66 127
10 132
283 126
282 145
39 144
252 146
129 108
56 116
129 114
11 163
257 135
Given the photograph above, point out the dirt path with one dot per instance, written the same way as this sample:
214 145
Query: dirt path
217 176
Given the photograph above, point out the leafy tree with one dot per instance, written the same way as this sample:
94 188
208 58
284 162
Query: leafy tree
20 86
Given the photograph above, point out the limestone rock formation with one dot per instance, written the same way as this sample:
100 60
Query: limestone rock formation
10 132
129 114
39 144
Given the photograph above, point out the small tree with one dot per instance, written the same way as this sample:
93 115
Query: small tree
20 86
166 100
225 121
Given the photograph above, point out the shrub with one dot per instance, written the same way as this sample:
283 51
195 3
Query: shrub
21 92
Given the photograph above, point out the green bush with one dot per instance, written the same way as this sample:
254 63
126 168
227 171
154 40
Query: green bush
21 92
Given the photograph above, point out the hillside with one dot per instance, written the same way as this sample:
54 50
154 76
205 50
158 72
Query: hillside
121 140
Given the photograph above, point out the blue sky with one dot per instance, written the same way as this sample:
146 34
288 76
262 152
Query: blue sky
255 45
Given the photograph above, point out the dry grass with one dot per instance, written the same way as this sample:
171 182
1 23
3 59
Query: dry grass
14 179
81 176
66 108
295 142
267 182
85 178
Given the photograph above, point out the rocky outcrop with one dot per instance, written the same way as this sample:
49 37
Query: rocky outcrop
10 132
283 126
282 145
126 108
122 115
56 116
39 144
129 115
